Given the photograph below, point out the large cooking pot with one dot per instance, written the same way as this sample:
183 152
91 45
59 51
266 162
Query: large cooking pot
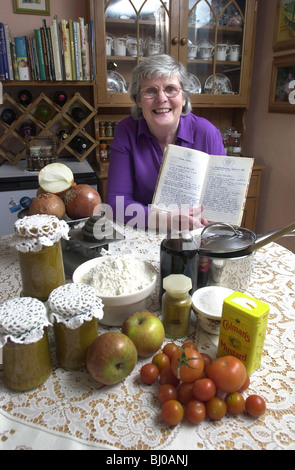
227 254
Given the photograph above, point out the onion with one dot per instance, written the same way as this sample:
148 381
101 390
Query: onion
56 178
49 204
81 200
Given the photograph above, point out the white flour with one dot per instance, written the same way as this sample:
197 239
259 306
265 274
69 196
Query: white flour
118 275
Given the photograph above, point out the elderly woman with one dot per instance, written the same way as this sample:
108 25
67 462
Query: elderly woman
160 116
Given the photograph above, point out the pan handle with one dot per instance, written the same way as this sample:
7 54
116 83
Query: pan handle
269 237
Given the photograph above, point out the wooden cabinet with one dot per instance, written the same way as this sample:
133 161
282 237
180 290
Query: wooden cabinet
250 211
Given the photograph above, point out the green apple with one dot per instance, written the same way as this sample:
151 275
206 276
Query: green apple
146 331
111 357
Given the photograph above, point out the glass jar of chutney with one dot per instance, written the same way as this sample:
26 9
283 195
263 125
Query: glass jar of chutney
37 239
75 310
23 336
176 305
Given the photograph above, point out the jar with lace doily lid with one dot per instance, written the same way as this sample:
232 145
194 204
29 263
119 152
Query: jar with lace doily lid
37 238
23 336
75 310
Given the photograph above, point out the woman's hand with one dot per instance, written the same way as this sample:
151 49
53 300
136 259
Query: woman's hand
162 221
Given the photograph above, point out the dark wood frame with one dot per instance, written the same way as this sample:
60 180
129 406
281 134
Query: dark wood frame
282 100
282 40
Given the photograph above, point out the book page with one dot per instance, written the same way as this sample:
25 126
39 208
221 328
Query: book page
225 188
180 179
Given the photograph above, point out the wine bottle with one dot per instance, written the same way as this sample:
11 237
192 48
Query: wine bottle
25 97
78 143
27 129
43 113
60 98
63 134
78 114
8 116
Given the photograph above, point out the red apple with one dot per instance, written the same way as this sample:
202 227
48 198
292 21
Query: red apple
111 357
146 331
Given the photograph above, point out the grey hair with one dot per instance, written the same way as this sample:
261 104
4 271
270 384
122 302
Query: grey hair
159 66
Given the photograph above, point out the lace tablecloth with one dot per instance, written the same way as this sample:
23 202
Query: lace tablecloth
70 411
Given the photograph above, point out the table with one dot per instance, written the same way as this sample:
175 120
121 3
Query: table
70 411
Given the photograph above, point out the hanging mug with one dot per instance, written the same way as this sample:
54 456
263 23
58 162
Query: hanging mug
221 51
120 46
206 52
154 47
234 52
192 51
109 45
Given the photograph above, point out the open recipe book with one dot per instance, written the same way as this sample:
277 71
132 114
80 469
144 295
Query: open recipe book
191 178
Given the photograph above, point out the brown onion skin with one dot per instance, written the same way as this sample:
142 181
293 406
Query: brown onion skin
47 203
81 201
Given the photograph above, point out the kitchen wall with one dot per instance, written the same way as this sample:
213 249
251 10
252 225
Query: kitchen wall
22 25
270 136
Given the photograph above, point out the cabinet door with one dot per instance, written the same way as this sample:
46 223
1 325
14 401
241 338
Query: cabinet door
216 47
131 30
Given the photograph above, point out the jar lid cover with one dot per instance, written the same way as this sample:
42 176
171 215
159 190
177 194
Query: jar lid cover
22 320
74 303
32 233
177 284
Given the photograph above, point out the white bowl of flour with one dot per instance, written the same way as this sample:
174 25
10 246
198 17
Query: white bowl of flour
122 282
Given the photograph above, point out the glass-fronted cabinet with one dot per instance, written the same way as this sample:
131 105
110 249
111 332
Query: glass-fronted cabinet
212 38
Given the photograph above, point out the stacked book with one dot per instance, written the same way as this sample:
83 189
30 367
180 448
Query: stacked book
64 50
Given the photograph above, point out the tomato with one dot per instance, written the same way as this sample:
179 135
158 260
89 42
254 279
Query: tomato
195 411
167 392
172 412
148 373
216 408
167 377
207 360
187 364
161 360
190 344
255 405
204 389
228 373
235 403
185 392
245 385
169 349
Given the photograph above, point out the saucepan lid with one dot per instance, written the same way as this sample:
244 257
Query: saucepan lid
221 238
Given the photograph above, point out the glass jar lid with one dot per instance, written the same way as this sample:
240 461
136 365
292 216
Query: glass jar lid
32 233
75 303
177 284
22 320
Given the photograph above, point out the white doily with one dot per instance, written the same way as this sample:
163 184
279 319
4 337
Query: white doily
73 304
34 232
22 320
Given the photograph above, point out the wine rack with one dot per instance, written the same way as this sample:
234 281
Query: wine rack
13 144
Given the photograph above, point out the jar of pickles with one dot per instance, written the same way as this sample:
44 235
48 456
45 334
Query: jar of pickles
75 310
176 305
37 239
23 336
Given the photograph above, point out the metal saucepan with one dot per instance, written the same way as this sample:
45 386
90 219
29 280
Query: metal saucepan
227 254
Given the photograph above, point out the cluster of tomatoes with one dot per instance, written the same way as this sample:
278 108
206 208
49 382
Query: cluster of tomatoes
194 386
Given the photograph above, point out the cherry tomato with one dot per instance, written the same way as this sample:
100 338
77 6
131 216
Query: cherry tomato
161 360
204 389
172 412
190 344
207 360
148 373
195 411
216 408
167 392
255 405
235 403
169 349
228 373
185 392
245 385
187 364
167 377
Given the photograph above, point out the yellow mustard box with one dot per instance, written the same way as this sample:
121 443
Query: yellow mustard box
243 328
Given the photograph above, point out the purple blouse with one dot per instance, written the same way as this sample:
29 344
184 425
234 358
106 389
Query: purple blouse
136 156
